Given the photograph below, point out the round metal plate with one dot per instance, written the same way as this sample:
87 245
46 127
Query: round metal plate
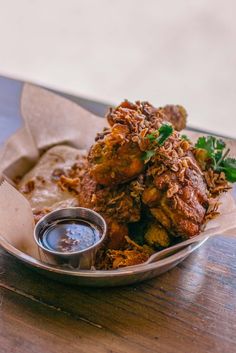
112 278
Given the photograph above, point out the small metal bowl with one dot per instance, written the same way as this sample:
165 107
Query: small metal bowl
81 259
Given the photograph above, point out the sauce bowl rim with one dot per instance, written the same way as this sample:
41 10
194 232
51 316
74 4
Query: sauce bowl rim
103 230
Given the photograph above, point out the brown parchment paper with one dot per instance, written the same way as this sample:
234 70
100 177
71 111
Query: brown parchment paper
49 120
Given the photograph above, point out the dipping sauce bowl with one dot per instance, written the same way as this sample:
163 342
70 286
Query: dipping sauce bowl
71 236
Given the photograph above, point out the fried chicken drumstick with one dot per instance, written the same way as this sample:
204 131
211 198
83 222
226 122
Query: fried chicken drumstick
117 155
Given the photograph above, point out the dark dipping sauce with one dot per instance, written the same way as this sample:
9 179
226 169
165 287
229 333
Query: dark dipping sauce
69 235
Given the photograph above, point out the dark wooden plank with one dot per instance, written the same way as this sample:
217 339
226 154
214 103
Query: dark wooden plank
28 326
189 309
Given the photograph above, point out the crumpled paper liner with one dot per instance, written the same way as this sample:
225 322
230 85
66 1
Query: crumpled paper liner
16 210
49 120
52 120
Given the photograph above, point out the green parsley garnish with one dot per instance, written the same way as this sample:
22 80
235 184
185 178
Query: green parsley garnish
157 138
163 133
184 137
216 153
148 155
228 166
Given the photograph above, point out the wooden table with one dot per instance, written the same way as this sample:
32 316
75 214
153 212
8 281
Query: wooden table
190 309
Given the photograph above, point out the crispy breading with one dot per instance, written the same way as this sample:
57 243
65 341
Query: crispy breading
117 155
114 259
156 236
119 205
122 202
131 254
176 191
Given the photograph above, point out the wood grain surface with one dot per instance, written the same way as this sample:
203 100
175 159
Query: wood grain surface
190 309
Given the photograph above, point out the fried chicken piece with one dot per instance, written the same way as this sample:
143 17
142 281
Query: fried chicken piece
115 158
156 236
116 233
131 254
122 202
175 114
117 155
119 205
176 192
115 259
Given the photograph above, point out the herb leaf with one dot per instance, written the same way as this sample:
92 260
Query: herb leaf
184 137
220 144
147 155
216 156
161 135
211 145
229 167
152 137
164 132
157 138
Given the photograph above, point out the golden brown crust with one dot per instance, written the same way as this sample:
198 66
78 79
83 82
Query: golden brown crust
176 191
117 155
119 205
122 202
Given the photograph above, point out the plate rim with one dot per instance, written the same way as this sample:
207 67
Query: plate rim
99 274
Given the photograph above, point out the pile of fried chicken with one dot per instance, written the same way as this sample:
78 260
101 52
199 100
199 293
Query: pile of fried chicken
149 200
149 186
